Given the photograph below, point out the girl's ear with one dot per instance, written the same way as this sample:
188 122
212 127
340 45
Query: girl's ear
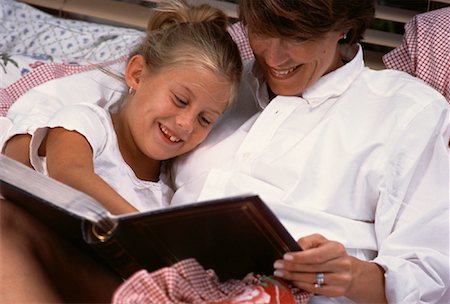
134 71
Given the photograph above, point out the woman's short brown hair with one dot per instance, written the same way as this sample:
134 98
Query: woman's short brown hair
307 19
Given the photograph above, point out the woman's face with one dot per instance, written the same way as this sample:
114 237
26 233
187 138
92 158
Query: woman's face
290 66
173 110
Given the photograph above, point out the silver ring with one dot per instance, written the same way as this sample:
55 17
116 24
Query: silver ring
320 279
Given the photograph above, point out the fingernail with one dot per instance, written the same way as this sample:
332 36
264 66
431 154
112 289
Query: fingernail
288 257
278 273
278 265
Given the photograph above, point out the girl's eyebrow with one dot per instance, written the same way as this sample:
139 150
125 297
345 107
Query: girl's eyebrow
188 89
192 95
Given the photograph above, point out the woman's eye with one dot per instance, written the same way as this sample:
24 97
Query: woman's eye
300 40
257 35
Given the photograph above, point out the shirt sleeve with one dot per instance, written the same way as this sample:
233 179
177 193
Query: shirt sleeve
89 120
412 217
33 109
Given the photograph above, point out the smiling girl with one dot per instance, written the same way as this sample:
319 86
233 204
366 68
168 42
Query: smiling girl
180 79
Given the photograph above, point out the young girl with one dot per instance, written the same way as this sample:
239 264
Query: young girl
180 79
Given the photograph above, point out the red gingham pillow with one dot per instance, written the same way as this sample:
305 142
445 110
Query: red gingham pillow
425 50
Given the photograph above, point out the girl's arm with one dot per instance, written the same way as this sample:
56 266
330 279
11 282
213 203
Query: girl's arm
70 160
18 148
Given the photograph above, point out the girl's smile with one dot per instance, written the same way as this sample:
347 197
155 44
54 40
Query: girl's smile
169 135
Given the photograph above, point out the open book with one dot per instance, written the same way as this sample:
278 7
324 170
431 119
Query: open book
233 236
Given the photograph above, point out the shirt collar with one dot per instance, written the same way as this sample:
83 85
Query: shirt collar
330 85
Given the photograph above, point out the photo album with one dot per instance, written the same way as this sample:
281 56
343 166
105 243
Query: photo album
233 236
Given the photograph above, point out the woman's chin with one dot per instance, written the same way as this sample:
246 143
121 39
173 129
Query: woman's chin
284 90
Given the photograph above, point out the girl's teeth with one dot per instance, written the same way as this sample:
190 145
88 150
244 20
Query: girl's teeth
169 136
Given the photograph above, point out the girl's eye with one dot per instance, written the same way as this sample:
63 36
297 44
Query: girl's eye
180 101
204 121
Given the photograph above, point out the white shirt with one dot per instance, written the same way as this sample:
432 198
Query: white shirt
95 124
361 158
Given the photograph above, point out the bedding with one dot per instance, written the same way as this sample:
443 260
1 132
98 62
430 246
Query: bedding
28 31
36 47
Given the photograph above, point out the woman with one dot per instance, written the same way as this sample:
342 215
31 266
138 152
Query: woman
353 161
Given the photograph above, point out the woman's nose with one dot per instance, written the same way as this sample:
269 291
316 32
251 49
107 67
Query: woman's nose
275 53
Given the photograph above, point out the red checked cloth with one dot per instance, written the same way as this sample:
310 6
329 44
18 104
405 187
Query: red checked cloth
425 50
40 75
239 35
188 282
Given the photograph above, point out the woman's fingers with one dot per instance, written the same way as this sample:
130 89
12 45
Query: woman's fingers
323 267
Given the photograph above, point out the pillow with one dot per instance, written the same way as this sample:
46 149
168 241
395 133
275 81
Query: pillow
13 67
36 47
425 50
39 74
28 31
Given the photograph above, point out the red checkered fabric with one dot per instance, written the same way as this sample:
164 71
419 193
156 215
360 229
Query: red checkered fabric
425 50
40 75
239 35
188 282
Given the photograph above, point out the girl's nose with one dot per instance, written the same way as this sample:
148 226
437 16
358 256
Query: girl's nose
185 121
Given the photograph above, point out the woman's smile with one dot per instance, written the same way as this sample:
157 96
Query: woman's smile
282 73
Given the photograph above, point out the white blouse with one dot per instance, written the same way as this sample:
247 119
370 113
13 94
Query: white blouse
95 124
361 158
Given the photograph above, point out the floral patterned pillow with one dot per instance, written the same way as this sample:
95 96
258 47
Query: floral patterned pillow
30 38
13 67
28 31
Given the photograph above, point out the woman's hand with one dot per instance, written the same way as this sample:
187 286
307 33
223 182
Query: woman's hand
343 275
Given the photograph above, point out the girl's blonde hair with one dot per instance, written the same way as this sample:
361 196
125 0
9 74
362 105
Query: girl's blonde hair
181 34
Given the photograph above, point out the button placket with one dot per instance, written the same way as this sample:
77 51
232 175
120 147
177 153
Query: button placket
264 128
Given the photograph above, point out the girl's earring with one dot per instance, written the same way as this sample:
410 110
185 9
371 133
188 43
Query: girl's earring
345 36
131 91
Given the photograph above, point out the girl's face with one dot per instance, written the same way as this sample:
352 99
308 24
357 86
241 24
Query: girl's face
173 110
290 67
